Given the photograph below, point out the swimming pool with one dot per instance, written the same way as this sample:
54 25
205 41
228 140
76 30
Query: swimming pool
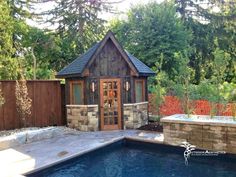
129 158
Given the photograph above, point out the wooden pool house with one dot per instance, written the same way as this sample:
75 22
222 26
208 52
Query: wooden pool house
106 88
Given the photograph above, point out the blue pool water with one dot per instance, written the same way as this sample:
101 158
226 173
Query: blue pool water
135 159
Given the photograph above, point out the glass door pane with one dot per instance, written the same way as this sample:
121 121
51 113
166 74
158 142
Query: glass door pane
110 100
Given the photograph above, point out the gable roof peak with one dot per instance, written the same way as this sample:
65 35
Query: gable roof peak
111 36
77 67
109 32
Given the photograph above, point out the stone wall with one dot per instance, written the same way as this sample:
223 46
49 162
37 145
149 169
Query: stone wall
30 135
135 115
83 117
204 135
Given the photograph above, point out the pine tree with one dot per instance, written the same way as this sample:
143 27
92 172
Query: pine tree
78 26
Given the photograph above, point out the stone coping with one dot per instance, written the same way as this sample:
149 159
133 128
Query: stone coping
137 135
75 144
30 136
81 106
95 105
200 120
76 155
135 138
132 104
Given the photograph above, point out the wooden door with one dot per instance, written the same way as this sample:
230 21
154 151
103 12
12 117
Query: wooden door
110 104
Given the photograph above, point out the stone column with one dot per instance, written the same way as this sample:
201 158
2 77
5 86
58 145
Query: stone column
82 117
135 115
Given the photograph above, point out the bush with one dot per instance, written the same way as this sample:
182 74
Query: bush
159 94
23 102
183 93
205 91
2 100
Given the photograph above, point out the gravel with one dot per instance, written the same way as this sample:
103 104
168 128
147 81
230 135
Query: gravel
64 129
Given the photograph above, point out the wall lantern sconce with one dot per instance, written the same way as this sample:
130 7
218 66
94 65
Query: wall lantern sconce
93 87
127 86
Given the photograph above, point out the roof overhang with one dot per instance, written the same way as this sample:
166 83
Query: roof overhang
68 76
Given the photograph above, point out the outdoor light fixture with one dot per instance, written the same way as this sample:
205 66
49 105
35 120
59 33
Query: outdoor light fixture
93 87
127 86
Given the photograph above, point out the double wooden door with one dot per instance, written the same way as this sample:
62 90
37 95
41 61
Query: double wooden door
110 104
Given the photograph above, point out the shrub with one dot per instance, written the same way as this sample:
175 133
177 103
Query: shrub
23 102
183 93
182 88
2 100
208 91
232 99
158 99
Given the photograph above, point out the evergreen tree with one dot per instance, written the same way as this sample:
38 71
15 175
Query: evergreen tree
78 26
208 19
8 64
153 30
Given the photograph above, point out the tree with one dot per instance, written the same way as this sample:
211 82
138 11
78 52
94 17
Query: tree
19 12
151 30
8 64
183 85
78 27
40 53
208 19
13 30
220 63
157 88
233 102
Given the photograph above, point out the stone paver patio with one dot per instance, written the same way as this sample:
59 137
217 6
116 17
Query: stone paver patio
19 160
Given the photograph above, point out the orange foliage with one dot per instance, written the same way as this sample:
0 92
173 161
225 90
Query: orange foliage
172 106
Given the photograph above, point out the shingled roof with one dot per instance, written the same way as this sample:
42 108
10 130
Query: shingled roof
79 64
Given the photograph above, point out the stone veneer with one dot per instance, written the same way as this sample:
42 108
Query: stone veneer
83 117
135 115
86 117
206 134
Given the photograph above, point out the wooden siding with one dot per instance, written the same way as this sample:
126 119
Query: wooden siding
109 62
47 105
126 94
92 97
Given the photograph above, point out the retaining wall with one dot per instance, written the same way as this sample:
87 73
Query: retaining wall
209 134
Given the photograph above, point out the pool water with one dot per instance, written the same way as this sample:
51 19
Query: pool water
128 158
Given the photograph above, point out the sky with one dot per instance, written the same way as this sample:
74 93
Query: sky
121 7
125 6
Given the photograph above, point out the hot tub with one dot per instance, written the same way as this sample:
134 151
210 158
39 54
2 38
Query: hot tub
217 134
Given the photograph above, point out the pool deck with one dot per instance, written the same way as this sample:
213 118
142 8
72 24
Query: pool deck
34 156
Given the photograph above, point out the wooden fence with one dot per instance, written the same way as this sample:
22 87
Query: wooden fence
47 104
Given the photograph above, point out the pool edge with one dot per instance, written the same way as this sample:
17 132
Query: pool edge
73 156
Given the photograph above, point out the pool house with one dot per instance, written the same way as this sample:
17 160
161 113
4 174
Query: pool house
106 88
